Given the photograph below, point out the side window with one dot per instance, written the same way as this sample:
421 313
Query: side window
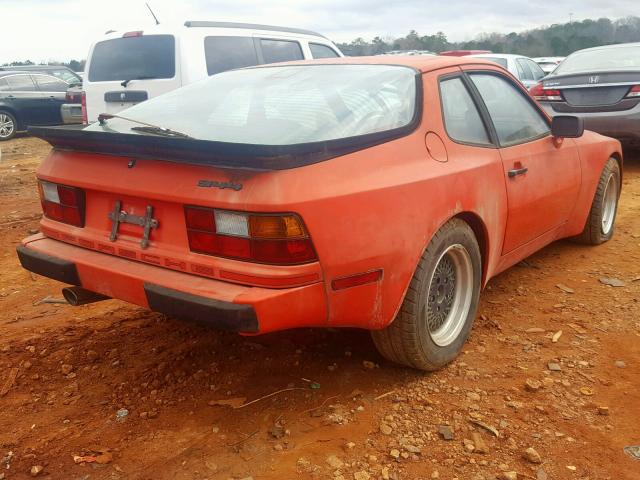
461 117
274 51
227 53
527 74
322 51
48 83
20 83
537 72
515 119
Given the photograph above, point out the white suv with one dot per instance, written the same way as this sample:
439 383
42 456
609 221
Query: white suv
124 69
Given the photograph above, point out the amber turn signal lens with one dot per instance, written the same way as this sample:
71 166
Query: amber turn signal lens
276 227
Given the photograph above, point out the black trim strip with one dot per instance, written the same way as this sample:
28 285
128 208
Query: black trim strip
48 266
207 311
222 154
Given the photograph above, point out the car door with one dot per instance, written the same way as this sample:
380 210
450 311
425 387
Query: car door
23 98
53 93
542 174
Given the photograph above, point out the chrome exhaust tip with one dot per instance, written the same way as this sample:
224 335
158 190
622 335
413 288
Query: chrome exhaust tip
77 296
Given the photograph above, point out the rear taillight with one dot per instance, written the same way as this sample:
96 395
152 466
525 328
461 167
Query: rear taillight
83 101
634 92
280 239
62 203
545 94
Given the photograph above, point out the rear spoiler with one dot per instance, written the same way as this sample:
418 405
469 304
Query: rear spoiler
205 152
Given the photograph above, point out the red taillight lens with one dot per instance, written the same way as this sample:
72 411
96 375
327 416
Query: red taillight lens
62 203
274 239
83 101
544 94
634 92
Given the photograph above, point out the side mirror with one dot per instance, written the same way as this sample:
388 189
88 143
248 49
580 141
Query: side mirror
567 126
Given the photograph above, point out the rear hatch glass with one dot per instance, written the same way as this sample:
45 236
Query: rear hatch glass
128 58
285 105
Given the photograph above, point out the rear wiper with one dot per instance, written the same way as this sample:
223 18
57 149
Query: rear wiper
146 128
124 83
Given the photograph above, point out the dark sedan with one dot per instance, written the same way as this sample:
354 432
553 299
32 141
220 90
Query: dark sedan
601 85
29 99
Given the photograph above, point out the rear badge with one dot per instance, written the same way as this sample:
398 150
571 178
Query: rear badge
118 216
221 185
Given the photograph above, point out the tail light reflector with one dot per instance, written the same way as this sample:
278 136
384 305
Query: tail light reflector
83 101
545 94
62 203
273 239
634 92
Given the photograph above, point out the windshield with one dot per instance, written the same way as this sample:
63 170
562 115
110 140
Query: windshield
128 58
282 105
618 58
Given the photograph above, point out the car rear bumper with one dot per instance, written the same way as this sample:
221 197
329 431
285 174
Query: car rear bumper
71 113
623 125
221 305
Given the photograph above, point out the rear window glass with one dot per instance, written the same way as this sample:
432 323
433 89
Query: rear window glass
274 51
20 83
227 53
322 51
500 61
283 105
47 83
614 58
130 58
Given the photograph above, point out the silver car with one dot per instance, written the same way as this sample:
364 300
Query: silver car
601 85
523 68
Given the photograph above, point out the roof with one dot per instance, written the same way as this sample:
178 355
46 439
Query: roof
607 47
4 73
506 56
250 26
422 63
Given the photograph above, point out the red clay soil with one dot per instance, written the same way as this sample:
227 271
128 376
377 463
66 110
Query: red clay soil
346 413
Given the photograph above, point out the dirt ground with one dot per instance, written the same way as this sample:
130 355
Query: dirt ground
66 372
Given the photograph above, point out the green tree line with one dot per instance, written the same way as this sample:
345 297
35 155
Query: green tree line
75 65
553 40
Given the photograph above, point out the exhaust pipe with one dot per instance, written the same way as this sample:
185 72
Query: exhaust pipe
79 296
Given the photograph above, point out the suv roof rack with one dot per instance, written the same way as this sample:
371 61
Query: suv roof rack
252 26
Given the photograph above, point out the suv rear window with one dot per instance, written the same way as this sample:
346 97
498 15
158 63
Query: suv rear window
129 58
274 51
227 53
322 51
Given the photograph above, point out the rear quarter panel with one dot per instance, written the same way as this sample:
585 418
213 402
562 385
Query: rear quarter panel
594 150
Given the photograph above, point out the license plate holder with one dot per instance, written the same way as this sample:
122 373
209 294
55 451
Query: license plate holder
147 222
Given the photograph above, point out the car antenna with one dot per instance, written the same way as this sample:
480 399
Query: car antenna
152 14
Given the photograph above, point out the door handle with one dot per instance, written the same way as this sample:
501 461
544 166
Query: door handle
517 171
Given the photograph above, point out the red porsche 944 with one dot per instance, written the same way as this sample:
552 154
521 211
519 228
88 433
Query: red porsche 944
380 193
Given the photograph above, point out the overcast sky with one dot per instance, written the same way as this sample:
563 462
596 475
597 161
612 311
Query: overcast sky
43 30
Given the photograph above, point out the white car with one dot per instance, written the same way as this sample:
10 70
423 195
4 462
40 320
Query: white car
126 68
548 64
523 68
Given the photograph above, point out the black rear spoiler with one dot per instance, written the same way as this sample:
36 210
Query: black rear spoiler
205 152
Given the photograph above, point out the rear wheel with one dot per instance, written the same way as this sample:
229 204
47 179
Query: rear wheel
440 305
601 220
8 126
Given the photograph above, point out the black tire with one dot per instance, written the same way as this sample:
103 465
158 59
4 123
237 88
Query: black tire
594 232
8 125
409 340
